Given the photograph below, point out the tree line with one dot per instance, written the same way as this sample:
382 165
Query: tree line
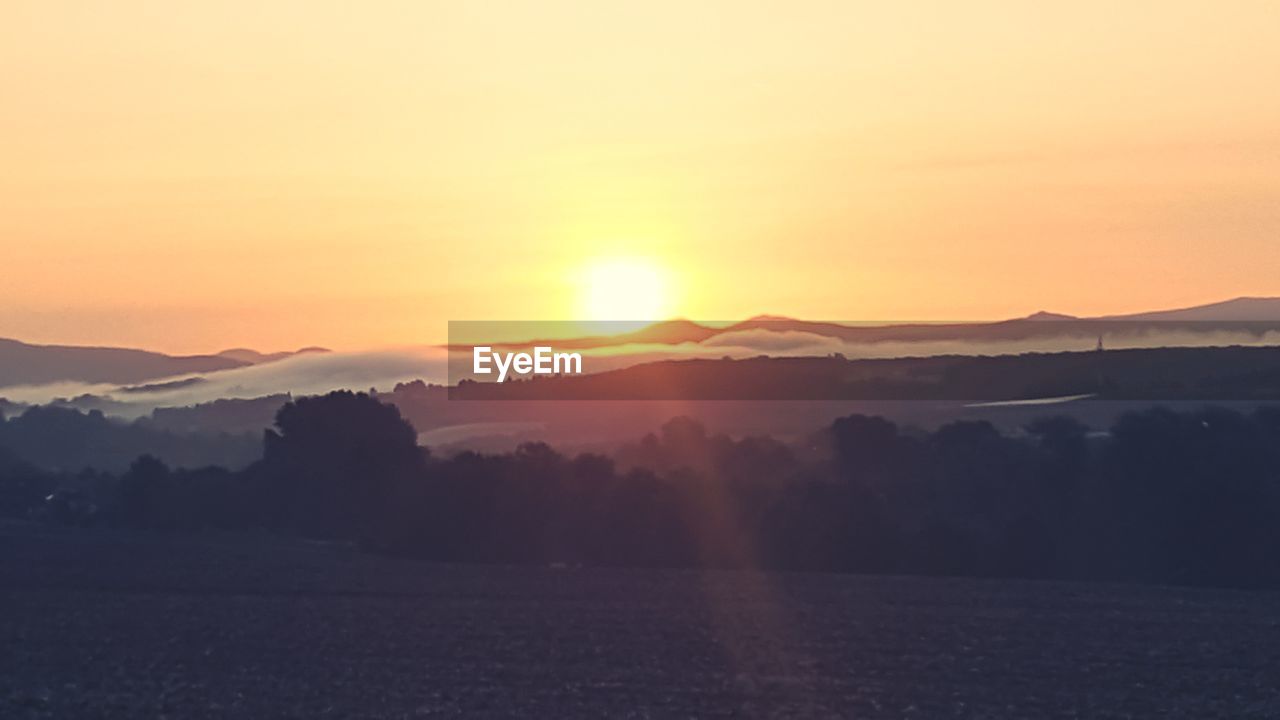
1163 497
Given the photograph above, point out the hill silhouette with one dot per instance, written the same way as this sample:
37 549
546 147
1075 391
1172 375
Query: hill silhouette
253 357
29 364
24 364
1241 309
1240 314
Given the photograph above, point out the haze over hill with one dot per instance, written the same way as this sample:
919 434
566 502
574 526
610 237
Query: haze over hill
134 382
239 390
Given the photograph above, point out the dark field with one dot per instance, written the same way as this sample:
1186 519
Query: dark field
98 624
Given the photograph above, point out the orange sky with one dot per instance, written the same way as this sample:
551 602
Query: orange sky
357 174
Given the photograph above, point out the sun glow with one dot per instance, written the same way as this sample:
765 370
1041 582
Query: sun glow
625 289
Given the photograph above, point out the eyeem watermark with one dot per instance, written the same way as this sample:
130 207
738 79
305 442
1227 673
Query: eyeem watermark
542 361
1023 362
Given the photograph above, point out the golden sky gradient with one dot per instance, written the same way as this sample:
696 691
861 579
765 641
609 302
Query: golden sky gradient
188 177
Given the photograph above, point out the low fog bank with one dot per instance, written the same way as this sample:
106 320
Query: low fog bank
311 374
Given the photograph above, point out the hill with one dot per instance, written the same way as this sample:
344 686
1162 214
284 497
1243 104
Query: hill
253 357
29 364
1252 315
1242 309
25 364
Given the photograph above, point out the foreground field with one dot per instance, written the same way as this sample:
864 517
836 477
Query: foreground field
98 624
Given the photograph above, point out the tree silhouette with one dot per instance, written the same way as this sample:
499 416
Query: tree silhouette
335 462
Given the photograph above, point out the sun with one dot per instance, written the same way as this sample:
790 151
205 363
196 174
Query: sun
625 289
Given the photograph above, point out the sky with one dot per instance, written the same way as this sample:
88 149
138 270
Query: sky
190 177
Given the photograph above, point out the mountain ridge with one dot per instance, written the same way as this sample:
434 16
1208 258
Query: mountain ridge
1038 324
23 363
1239 309
33 364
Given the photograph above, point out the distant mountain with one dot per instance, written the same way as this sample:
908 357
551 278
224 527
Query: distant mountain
1043 316
1242 309
668 332
1042 324
26 364
253 357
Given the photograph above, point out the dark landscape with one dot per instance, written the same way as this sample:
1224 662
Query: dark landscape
864 570
123 625
912 360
